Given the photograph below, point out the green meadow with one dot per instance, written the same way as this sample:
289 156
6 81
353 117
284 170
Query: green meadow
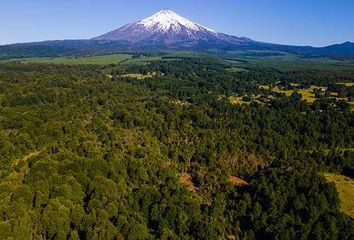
284 61
345 189
100 60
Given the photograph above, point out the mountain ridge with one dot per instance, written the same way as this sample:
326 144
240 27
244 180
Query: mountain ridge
164 31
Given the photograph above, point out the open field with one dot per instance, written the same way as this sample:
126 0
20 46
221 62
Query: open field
238 60
345 189
114 58
348 84
307 94
240 100
100 60
170 56
142 60
139 76
284 61
237 100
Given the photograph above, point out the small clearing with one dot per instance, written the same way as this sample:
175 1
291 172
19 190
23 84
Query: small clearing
236 181
140 76
237 100
186 180
348 84
180 102
345 189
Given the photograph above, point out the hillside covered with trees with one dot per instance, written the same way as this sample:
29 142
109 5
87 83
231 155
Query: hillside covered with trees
102 152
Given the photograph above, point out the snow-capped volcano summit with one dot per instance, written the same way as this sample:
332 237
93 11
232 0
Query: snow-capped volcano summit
168 27
166 20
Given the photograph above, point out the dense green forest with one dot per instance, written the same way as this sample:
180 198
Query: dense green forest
92 152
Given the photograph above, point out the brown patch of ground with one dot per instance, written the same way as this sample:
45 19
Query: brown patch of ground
231 237
186 180
237 181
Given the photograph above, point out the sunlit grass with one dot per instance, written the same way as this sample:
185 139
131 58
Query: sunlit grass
345 189
99 60
349 84
140 76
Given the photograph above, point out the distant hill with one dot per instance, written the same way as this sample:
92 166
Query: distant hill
164 31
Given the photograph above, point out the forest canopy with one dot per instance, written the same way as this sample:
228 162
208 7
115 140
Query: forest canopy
99 152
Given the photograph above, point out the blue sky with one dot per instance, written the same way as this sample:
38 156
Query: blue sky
297 22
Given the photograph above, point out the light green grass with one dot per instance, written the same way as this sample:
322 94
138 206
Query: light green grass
348 84
100 60
237 100
285 61
142 60
140 76
307 94
347 149
345 189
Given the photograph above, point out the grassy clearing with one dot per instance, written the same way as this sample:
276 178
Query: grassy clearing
180 103
345 189
140 76
236 181
186 180
350 84
237 100
142 60
265 87
99 60
307 94
240 100
285 61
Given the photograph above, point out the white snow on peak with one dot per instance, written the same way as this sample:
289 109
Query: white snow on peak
167 19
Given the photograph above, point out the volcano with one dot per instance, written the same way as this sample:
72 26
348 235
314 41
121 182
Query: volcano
167 31
167 27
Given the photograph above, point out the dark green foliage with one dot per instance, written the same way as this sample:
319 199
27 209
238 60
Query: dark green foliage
85 156
289 204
